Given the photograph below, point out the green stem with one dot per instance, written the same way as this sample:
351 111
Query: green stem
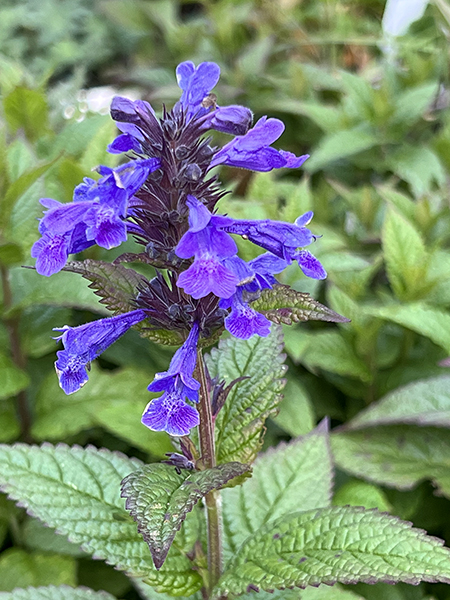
12 326
212 500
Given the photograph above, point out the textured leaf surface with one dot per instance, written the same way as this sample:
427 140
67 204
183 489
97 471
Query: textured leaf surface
422 402
288 478
77 491
282 304
240 423
323 592
116 285
159 499
51 592
328 545
397 456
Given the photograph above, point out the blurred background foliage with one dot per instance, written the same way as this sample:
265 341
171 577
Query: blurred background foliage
372 111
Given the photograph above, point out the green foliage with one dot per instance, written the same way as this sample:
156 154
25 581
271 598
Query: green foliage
159 499
290 477
47 479
240 423
335 544
52 592
20 568
282 304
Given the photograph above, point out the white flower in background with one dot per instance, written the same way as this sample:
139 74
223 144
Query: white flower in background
400 14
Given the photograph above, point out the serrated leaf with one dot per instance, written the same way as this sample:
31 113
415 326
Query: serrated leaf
419 166
424 320
48 479
116 285
240 423
405 255
338 544
396 456
296 414
20 568
282 304
51 592
291 477
361 493
424 402
159 499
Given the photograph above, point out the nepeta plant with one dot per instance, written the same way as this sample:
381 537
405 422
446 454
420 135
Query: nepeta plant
278 530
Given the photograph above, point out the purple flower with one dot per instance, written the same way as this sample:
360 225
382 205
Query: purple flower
233 119
170 412
85 343
132 117
210 246
196 83
243 321
253 151
96 216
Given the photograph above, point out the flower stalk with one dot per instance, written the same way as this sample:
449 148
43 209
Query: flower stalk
208 457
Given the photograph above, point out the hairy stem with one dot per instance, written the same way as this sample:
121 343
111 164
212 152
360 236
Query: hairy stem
212 500
12 326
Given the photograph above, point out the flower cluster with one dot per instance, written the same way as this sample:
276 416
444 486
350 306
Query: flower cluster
165 196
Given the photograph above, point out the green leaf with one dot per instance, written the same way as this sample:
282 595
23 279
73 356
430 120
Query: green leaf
240 423
422 402
328 545
10 429
281 304
419 166
411 104
159 499
290 477
360 493
114 401
36 329
296 414
51 592
20 186
327 350
340 145
13 379
61 289
396 456
20 568
430 322
116 285
38 537
26 109
10 254
405 255
46 480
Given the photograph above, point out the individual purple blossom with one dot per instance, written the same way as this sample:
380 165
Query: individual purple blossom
170 412
96 216
85 343
243 321
196 83
253 150
210 246
131 117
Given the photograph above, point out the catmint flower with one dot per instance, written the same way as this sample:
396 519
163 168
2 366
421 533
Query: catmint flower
170 412
243 321
96 216
253 150
207 239
84 343
196 83
210 246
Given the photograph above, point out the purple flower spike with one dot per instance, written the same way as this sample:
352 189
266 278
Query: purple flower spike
309 264
85 343
233 119
253 151
170 412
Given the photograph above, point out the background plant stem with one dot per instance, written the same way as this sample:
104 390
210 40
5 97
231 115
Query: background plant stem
212 500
